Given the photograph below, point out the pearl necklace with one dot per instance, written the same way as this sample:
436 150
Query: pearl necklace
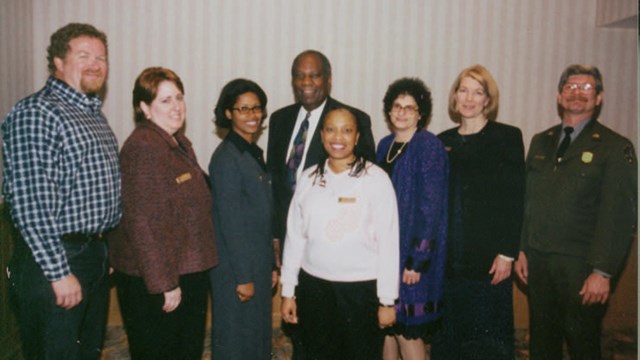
398 152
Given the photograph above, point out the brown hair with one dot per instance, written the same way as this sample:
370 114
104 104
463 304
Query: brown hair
59 42
146 88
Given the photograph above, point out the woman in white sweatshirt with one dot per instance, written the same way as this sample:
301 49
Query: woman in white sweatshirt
341 255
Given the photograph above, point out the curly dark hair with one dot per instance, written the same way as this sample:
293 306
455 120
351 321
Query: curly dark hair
358 166
59 42
230 94
415 88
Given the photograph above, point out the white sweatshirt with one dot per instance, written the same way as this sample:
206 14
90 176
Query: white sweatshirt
344 229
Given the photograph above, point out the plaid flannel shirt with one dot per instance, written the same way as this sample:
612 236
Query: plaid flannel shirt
61 171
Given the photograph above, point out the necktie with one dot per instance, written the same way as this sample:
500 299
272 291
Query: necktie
297 150
564 144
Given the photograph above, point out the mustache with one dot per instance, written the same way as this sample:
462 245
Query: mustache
93 72
577 97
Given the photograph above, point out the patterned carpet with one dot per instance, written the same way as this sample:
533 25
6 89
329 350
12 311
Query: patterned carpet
618 345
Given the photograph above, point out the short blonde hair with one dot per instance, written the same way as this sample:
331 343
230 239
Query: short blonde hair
481 75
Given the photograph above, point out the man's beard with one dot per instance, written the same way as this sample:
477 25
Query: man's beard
93 85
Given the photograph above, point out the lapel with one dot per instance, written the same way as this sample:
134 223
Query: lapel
283 127
181 146
254 171
549 145
315 147
289 122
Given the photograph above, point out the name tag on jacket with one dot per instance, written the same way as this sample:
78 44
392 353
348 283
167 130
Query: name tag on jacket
182 178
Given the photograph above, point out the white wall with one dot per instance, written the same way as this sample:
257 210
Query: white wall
16 69
525 44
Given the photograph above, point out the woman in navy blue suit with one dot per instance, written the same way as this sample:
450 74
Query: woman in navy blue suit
242 212
486 189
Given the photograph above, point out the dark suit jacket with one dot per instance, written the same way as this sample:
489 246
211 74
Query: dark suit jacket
586 205
281 126
242 205
487 175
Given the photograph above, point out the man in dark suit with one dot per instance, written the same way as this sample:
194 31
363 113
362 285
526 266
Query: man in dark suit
580 212
311 82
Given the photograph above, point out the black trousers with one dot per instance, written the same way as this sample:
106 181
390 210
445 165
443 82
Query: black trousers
47 330
556 310
154 334
339 320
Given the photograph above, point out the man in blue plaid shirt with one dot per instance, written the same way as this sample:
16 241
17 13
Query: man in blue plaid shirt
62 186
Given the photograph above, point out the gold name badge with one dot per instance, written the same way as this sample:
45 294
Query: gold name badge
346 199
182 178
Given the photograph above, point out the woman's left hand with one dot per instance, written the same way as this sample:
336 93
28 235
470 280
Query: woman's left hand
501 269
245 291
172 299
410 277
386 316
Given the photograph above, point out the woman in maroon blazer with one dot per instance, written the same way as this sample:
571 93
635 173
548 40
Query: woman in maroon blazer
164 245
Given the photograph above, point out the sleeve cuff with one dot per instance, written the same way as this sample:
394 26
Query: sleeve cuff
600 272
505 257
288 290
387 301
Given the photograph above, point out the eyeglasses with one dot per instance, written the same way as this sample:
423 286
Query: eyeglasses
409 109
585 87
245 110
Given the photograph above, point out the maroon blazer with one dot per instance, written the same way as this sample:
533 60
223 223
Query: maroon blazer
166 228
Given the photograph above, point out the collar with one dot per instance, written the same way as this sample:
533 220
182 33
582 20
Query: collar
180 139
238 141
314 116
243 146
89 103
576 129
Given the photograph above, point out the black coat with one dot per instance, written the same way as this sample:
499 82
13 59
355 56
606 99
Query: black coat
487 176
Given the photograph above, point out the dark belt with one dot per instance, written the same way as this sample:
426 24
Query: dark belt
82 238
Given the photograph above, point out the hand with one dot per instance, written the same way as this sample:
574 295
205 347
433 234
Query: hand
410 277
172 299
68 292
276 253
245 292
501 269
521 267
274 279
595 289
288 310
386 316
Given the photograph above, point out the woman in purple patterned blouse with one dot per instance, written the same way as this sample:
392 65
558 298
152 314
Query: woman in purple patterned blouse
417 163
